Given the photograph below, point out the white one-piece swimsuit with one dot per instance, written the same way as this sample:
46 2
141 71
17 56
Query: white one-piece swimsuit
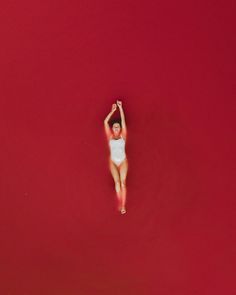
117 148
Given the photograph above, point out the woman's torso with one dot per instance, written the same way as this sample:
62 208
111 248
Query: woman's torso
117 149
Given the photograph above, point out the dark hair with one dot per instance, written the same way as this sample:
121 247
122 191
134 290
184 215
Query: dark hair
112 122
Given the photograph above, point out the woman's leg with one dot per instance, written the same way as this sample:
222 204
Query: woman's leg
123 175
115 174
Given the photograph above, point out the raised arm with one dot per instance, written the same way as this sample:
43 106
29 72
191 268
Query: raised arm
106 125
123 123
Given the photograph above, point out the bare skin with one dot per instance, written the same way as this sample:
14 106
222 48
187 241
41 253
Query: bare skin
118 172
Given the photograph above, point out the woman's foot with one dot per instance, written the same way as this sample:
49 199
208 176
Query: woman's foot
123 210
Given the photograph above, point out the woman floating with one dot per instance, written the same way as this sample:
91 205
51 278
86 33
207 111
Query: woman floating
118 162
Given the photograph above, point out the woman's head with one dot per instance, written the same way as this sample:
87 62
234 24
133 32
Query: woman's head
116 127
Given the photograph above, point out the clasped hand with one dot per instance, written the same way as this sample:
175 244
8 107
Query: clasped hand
114 105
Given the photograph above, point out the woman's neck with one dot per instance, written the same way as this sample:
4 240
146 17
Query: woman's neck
116 136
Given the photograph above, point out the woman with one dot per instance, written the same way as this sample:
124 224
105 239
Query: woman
118 162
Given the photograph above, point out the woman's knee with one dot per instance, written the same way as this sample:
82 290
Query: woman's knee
117 186
123 183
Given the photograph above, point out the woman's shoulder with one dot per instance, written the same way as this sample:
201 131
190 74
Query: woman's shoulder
110 138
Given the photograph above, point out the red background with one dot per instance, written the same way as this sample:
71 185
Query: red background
63 63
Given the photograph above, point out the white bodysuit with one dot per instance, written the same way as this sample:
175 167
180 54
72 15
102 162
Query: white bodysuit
117 148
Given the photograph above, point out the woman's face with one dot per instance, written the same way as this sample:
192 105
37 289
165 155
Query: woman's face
116 128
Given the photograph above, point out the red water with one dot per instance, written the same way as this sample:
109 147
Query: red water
63 63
